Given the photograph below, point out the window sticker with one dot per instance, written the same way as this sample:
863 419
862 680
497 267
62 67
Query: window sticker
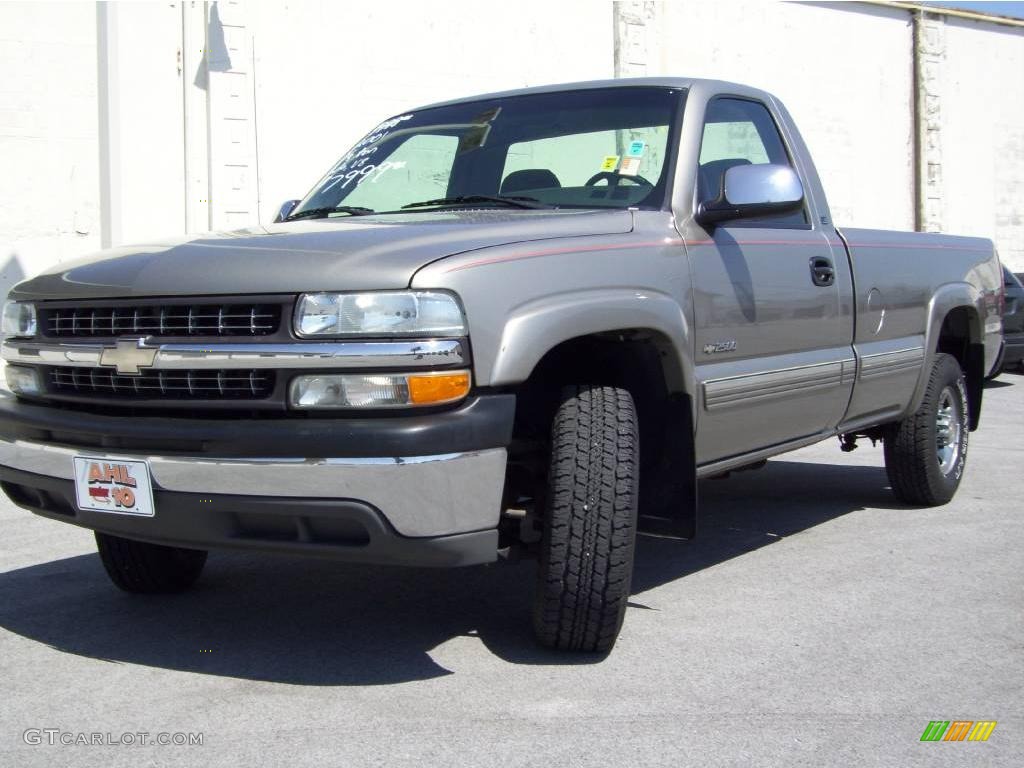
630 166
611 162
363 173
636 149
354 164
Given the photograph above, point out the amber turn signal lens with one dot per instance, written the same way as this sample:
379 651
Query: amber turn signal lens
438 388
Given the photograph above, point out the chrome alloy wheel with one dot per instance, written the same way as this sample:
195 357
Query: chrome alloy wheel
948 426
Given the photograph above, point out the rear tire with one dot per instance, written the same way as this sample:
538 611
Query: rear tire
136 566
587 548
925 453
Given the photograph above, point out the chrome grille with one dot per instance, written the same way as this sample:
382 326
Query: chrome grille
163 320
236 384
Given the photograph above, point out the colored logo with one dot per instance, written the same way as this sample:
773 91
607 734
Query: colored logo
112 481
958 730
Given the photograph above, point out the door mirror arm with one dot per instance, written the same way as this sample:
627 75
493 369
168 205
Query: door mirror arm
285 210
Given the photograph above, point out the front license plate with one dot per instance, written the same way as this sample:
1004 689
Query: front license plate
112 485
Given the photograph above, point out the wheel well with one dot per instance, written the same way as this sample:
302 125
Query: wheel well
638 360
641 361
960 337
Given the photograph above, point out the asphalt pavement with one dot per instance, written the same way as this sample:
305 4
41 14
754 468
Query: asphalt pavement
814 621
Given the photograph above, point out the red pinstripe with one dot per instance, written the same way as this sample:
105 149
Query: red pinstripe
700 243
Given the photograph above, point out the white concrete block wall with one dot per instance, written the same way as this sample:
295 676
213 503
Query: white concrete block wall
983 134
150 168
328 72
843 72
49 204
232 119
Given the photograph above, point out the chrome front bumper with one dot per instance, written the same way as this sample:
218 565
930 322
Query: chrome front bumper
420 496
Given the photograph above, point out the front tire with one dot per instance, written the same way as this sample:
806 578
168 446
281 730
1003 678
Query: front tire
136 566
925 453
589 538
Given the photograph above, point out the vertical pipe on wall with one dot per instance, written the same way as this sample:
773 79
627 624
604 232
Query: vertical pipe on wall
195 86
617 41
209 129
256 133
108 97
186 46
916 143
929 50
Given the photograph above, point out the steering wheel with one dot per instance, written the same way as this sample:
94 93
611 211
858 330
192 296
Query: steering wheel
614 177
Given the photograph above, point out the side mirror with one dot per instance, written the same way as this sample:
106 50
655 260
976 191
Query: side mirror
286 210
753 190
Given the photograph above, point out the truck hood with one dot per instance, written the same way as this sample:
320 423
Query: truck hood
337 254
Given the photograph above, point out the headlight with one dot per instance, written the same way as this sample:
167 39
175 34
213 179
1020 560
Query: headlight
19 319
22 381
384 313
378 390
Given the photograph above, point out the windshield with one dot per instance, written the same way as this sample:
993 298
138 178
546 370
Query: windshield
597 148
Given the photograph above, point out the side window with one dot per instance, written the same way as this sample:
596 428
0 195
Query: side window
418 169
740 132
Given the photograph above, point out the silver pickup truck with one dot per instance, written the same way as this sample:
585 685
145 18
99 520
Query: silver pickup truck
520 323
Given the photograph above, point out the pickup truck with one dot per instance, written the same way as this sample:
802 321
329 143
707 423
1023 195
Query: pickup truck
524 323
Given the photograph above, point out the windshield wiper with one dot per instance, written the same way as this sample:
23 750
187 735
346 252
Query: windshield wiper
512 201
322 213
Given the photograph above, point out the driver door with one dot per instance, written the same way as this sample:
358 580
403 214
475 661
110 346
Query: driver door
773 356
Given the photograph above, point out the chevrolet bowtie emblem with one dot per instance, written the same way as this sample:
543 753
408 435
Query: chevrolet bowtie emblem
129 356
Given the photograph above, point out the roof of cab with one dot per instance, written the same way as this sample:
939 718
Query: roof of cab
663 82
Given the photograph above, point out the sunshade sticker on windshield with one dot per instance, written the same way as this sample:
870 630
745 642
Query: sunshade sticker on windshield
630 166
636 149
611 162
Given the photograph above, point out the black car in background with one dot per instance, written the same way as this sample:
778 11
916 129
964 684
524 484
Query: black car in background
1013 321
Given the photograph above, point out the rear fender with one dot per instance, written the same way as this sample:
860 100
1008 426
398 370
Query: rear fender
945 299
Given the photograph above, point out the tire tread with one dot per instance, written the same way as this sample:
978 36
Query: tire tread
909 449
590 532
141 567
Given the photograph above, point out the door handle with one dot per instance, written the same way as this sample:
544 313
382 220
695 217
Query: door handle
822 272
